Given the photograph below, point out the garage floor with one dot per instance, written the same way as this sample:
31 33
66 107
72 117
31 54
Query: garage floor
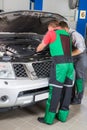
26 118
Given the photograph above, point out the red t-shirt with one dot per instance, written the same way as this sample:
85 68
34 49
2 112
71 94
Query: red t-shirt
49 37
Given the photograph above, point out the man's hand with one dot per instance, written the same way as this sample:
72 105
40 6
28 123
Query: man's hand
76 52
40 47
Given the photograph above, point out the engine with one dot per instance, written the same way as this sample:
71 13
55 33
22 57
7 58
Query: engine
22 47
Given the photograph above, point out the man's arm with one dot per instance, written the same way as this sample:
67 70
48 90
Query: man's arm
48 38
78 43
41 46
76 52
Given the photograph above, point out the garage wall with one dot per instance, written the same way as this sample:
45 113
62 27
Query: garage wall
1 4
61 7
10 5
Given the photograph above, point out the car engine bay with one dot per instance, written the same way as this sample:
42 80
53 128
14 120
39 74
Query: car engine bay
21 46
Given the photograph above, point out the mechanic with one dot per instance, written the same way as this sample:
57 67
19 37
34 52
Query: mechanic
62 71
78 53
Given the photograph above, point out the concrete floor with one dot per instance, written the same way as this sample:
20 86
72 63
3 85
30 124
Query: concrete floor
26 118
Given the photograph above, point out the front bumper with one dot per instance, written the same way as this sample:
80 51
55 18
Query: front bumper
22 92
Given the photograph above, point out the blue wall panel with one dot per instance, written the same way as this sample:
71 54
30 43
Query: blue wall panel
38 4
81 22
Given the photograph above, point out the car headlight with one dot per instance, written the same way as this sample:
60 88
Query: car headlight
6 71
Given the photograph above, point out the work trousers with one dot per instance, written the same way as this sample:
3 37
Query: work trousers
80 68
61 74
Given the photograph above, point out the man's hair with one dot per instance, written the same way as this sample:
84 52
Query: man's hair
63 24
53 23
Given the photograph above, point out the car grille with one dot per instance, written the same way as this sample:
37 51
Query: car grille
19 70
42 69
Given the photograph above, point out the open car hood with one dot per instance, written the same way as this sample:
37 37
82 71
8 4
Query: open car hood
26 21
22 31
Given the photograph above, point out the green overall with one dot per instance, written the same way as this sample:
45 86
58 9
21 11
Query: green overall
62 72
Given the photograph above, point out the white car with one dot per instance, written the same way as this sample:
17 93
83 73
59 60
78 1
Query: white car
23 72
